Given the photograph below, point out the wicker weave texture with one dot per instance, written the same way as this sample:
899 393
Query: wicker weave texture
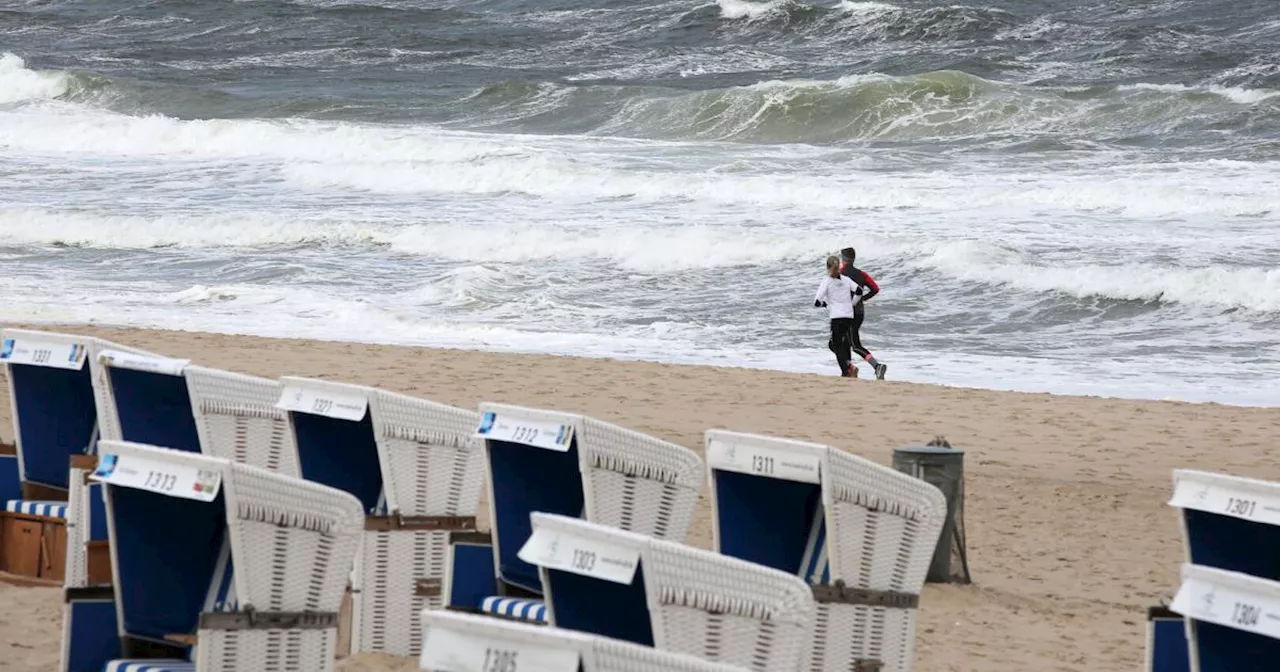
293 542
390 610
638 482
432 464
885 524
612 655
266 650
237 419
883 528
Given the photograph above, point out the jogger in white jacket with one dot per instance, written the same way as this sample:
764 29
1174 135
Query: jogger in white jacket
836 293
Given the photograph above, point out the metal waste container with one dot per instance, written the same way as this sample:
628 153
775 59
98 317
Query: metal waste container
942 466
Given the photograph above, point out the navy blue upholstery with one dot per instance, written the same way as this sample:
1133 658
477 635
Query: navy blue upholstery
56 416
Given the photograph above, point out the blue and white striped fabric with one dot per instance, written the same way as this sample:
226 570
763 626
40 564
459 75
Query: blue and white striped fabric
156 665
35 508
525 610
814 567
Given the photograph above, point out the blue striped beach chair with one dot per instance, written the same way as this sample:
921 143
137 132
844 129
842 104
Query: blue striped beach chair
417 472
152 399
172 403
860 534
654 592
54 391
568 464
223 565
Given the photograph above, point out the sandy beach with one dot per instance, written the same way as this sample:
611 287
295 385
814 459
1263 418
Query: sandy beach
1069 535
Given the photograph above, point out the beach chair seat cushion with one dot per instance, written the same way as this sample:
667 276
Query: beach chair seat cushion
37 508
153 665
525 610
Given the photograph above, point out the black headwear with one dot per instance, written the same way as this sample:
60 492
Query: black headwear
849 253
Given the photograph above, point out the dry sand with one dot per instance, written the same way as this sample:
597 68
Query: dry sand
1069 536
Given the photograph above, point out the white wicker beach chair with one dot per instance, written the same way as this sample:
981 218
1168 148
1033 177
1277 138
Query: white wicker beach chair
674 597
563 463
161 401
1232 620
859 533
456 642
250 562
237 419
417 471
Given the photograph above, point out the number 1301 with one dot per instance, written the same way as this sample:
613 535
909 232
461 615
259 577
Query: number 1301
1241 507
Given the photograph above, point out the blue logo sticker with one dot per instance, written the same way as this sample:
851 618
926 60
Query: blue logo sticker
7 352
106 465
486 422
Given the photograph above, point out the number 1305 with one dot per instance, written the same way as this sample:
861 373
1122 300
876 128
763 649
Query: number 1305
499 660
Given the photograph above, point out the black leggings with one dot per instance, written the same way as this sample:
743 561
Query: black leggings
855 339
843 332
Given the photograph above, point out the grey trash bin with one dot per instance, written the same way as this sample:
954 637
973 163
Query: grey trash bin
943 467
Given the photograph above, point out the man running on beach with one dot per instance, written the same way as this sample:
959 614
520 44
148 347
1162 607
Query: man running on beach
867 288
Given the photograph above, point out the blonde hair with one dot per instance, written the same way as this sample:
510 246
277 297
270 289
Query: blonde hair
833 266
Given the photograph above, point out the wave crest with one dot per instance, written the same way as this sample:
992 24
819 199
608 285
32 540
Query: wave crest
944 104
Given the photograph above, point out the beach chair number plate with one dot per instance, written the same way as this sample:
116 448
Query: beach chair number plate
128 360
1234 502
327 403
166 478
556 550
39 353
1206 601
454 651
548 435
763 461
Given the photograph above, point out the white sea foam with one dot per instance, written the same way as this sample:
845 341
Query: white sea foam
18 83
749 9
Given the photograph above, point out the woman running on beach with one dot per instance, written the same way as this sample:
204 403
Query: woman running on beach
867 288
836 294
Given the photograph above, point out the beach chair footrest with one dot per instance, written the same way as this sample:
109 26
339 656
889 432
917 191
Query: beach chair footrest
482 538
513 608
839 593
419 523
89 593
268 620
150 665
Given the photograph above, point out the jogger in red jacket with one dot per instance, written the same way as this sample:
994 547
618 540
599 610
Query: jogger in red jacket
867 288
